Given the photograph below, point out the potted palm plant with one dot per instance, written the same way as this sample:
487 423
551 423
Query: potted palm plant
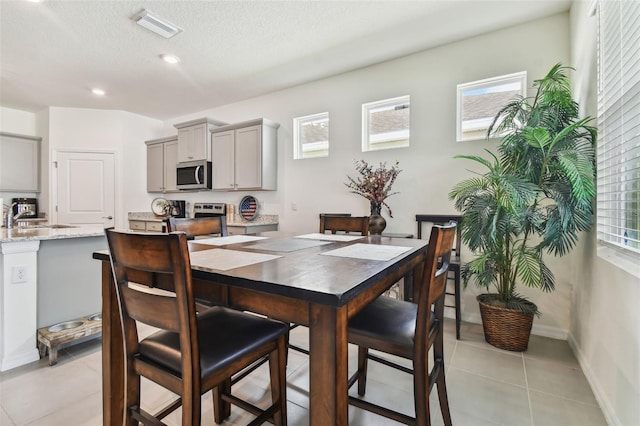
534 199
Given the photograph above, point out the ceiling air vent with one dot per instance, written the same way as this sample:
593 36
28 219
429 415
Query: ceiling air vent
156 24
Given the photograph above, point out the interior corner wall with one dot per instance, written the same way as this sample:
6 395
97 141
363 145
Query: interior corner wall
605 318
429 171
120 132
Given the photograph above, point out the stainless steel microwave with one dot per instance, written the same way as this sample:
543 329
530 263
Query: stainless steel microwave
194 175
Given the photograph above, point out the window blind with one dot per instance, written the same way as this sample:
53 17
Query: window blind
618 200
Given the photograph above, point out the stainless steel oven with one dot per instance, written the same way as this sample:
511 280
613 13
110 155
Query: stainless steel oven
209 209
194 175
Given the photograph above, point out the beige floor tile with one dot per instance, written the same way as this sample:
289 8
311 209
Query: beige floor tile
549 410
499 365
28 395
558 379
485 387
488 399
550 350
86 412
5 420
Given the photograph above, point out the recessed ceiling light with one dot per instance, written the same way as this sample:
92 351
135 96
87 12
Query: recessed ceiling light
98 92
171 59
156 24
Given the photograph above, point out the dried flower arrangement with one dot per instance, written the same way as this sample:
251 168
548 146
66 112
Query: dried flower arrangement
374 184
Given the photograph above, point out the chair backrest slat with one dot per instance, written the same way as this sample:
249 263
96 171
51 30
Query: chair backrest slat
334 223
165 254
198 226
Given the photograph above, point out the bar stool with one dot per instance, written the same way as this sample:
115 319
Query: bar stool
454 267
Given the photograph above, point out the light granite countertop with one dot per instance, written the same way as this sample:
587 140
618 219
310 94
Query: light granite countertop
233 219
18 234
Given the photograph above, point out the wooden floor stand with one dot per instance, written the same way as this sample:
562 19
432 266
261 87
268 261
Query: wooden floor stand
49 338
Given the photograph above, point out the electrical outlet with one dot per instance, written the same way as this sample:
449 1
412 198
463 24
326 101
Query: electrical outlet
294 206
19 274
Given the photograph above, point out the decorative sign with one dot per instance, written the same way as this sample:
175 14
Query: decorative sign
249 208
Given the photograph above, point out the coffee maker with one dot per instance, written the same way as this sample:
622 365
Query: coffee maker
177 208
27 206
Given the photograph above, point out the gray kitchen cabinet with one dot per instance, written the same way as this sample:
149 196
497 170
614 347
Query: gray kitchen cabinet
148 225
244 156
194 139
19 163
162 157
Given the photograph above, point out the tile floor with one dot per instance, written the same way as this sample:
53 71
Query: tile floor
543 387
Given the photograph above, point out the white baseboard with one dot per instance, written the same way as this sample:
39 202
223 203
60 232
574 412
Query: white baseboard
16 361
607 410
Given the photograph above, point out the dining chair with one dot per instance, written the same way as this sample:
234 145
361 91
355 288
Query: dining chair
191 353
408 330
199 226
454 265
334 223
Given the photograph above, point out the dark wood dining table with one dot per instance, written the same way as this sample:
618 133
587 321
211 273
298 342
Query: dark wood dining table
301 285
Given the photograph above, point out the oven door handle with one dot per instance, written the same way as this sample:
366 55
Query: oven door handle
197 173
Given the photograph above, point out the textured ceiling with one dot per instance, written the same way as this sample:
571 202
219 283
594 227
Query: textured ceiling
52 53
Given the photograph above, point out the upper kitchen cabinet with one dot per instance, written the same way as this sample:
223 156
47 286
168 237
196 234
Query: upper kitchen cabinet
244 156
19 163
162 157
194 141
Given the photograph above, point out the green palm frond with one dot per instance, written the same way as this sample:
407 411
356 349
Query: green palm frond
535 197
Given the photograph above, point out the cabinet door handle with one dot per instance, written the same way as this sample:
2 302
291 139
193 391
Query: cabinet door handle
107 217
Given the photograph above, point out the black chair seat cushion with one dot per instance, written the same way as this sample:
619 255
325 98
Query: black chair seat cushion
224 335
387 320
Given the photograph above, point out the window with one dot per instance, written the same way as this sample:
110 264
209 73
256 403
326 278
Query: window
311 136
385 124
480 101
618 204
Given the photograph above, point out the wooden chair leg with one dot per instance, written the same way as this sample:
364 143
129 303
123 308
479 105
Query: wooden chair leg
362 369
457 300
191 408
278 375
442 397
221 408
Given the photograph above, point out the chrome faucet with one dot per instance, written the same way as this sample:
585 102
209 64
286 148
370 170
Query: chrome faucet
11 218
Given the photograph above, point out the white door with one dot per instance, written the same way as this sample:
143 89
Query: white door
85 188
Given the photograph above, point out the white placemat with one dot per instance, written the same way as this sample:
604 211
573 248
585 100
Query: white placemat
287 245
223 241
330 237
368 251
224 260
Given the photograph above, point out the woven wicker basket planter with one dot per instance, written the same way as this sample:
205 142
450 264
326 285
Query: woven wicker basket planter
505 328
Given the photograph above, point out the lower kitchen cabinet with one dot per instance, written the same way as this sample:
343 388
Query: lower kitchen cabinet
251 228
148 225
244 156
162 157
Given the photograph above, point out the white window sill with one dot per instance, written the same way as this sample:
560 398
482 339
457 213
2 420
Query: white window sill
628 262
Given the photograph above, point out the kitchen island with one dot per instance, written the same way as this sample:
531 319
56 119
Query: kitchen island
47 277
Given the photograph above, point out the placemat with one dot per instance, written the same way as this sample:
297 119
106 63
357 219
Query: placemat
223 241
330 237
286 245
368 251
224 260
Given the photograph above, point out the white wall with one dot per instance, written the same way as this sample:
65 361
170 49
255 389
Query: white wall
16 121
429 170
605 317
119 132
